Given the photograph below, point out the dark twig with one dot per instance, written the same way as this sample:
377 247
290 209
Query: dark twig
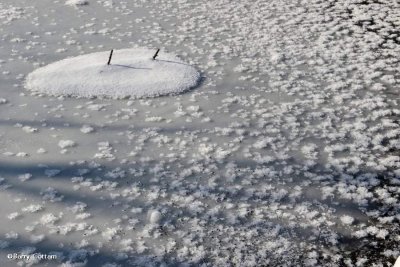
156 54
109 59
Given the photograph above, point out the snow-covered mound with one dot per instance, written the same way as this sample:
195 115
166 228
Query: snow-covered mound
132 72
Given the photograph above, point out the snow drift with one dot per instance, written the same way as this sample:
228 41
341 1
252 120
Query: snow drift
132 72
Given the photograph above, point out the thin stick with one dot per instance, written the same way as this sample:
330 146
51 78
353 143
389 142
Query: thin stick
156 54
109 59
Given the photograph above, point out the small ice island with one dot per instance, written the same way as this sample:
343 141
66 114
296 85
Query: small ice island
131 73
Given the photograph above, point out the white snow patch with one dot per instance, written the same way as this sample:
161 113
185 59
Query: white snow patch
77 2
41 150
10 13
132 72
52 195
29 129
346 219
13 216
110 233
87 129
21 154
78 207
24 177
66 143
32 208
105 151
48 219
83 216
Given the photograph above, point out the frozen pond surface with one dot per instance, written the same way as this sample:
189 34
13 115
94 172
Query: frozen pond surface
286 155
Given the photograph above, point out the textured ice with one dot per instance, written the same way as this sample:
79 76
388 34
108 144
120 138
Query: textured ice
287 155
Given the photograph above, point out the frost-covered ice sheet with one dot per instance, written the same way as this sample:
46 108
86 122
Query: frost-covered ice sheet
286 155
132 73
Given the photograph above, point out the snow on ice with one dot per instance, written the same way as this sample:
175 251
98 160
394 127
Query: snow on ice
132 72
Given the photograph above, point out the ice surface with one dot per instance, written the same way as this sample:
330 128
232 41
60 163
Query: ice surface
286 155
132 72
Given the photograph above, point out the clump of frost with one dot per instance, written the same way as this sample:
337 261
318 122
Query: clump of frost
14 215
327 191
41 150
77 2
11 13
206 149
22 154
11 235
276 56
66 143
24 177
87 129
310 151
382 233
108 3
32 208
78 207
126 244
83 216
154 119
51 194
29 129
346 219
110 233
105 151
115 173
49 219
